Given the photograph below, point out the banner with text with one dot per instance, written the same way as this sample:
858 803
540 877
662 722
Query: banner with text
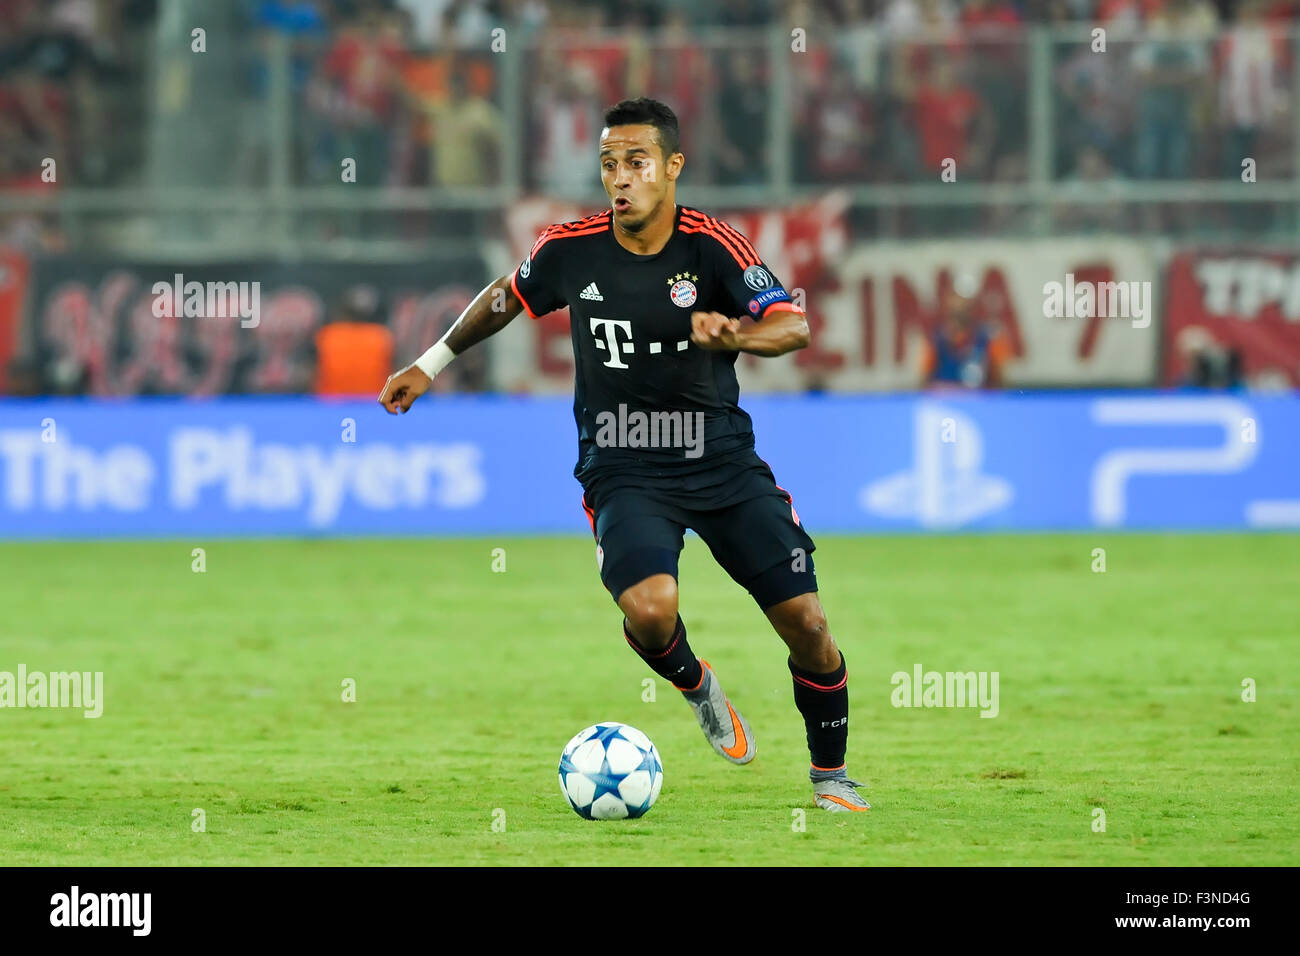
1069 312
458 465
178 329
1241 300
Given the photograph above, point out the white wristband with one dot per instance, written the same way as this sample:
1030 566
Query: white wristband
435 360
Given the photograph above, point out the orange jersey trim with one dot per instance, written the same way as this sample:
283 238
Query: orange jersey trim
740 260
567 228
782 307
736 234
554 233
589 226
514 287
732 232
740 248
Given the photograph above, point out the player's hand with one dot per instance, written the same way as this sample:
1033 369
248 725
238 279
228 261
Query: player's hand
403 388
714 331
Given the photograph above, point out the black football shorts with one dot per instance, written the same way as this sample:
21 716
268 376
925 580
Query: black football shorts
756 535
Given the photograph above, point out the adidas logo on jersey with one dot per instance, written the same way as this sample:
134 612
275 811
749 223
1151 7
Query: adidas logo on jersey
592 293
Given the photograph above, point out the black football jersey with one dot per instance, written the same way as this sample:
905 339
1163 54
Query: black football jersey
647 401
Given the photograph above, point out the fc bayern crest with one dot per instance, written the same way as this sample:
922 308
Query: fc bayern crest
683 294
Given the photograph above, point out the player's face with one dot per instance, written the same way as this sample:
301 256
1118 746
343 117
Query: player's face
635 174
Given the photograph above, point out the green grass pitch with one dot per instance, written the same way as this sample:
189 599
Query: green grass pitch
223 693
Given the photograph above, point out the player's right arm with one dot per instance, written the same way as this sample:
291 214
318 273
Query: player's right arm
490 312
533 287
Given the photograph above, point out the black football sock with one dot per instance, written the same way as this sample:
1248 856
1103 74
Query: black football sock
823 699
676 663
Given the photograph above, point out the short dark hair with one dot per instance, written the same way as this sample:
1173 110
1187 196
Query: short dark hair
648 112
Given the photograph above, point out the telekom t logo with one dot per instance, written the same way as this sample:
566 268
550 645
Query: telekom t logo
610 341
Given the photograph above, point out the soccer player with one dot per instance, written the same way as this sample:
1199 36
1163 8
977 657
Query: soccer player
662 299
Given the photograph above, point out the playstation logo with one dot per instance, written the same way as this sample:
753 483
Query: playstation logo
945 488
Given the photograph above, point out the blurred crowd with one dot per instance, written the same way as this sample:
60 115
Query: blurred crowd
71 98
884 91
875 92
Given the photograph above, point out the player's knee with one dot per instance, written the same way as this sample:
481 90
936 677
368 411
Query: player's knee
802 625
800 619
651 610
810 628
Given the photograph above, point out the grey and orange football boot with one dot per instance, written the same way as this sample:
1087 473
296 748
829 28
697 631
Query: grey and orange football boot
726 730
839 795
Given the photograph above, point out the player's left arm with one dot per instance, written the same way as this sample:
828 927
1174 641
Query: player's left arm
781 331
746 285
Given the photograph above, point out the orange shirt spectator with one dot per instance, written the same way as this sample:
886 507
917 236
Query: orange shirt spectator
353 358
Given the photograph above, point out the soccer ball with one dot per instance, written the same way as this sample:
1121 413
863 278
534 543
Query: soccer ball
610 771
